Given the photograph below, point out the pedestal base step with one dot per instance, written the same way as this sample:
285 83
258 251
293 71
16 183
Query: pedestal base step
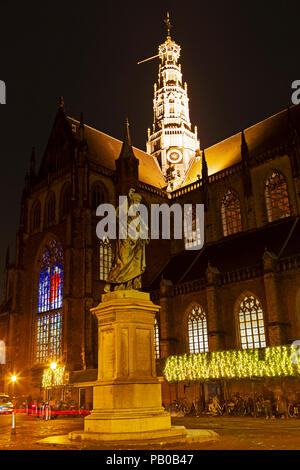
174 432
192 436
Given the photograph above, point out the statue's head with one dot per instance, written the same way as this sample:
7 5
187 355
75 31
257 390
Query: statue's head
134 197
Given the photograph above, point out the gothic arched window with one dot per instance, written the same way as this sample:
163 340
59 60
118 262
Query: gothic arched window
251 323
231 213
277 197
197 330
192 229
65 201
98 195
36 216
50 210
156 339
48 318
105 258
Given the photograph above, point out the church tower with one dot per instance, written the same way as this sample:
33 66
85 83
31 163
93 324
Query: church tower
172 141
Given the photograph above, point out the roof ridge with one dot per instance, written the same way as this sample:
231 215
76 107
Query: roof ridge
108 135
253 125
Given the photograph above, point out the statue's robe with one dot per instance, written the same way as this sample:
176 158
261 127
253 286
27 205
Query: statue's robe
130 256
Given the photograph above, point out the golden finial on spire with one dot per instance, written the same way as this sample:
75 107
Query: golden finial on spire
168 25
61 102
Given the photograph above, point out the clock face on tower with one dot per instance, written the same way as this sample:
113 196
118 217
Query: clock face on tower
174 156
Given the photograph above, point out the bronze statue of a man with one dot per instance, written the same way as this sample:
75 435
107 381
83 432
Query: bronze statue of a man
130 258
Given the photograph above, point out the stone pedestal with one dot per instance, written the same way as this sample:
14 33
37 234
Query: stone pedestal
127 397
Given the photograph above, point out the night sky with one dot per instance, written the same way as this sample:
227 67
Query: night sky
239 59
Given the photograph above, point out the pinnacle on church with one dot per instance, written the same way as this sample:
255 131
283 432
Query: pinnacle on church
7 258
61 102
32 162
244 148
127 151
204 169
81 127
81 119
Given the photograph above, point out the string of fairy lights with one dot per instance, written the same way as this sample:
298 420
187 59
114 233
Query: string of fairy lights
275 361
53 377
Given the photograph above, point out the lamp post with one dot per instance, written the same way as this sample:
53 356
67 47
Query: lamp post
13 380
53 367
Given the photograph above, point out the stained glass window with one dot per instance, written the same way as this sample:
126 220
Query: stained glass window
231 213
51 279
277 197
105 258
197 330
48 321
156 339
251 323
48 336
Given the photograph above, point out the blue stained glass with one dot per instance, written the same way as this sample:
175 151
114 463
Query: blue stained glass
50 299
51 279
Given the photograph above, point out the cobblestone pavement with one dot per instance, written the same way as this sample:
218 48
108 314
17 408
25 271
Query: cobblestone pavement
235 434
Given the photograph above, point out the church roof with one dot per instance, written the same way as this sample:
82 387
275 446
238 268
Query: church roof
105 149
241 250
260 137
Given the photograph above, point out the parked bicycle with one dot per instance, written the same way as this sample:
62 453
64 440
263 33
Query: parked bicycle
180 407
293 409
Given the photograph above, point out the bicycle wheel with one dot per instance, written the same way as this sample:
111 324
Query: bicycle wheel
185 406
291 411
173 408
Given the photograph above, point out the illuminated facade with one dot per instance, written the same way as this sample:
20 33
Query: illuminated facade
237 297
172 141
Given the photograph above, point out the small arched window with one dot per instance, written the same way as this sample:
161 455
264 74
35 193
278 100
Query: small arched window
197 330
105 258
50 210
36 216
156 339
231 213
2 352
98 195
277 197
192 228
251 323
65 201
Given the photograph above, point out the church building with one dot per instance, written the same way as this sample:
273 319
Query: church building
239 292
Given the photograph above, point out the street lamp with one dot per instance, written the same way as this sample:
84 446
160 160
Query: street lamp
53 365
13 379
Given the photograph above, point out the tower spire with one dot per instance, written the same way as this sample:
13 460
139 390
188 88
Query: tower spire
172 141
